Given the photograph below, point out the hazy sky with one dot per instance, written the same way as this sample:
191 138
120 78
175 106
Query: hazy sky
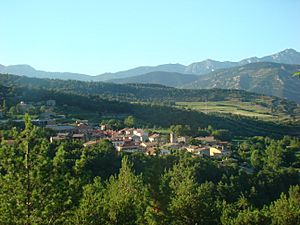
94 36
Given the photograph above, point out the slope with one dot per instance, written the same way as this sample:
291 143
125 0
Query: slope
162 78
265 78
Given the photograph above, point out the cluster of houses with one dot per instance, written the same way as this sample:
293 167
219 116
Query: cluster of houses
46 117
210 147
138 140
126 140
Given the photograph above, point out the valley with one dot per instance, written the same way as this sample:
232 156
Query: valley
91 142
248 109
150 112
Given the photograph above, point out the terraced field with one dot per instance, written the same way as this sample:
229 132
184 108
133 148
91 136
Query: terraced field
250 109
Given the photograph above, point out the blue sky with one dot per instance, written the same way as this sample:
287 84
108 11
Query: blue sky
95 36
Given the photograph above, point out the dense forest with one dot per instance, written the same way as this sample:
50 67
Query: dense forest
143 92
65 183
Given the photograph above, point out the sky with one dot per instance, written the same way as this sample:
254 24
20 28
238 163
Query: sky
95 36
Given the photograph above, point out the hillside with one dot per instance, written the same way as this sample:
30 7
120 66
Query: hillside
162 78
131 92
158 94
29 71
262 77
86 105
265 78
173 68
288 56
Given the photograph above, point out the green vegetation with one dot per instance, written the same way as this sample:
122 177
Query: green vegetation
215 100
152 115
297 74
261 109
139 92
163 78
66 183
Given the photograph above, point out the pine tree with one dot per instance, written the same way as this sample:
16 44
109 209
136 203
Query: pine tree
188 202
91 208
127 199
286 210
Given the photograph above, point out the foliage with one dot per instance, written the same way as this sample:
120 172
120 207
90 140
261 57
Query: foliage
130 121
66 183
181 130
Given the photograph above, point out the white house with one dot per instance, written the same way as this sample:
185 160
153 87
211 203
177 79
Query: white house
154 138
117 142
141 134
129 147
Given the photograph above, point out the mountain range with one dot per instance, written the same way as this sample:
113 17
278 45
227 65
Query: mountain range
29 71
261 77
288 56
270 75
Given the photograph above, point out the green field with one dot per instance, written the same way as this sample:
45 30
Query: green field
240 108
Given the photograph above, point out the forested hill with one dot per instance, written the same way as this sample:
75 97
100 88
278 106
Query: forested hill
263 77
150 93
150 115
134 92
155 115
159 77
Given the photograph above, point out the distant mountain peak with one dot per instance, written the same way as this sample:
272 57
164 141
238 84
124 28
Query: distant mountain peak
287 56
262 77
25 66
290 50
209 60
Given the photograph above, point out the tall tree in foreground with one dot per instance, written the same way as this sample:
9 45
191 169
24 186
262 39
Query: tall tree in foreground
286 210
36 185
187 202
91 208
126 200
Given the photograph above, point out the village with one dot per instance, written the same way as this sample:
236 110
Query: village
131 140
127 140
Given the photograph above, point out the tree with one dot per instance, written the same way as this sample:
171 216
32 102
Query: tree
130 121
13 111
250 217
186 202
36 185
256 159
113 124
99 160
286 210
91 208
181 130
222 134
203 132
127 199
274 156
4 107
